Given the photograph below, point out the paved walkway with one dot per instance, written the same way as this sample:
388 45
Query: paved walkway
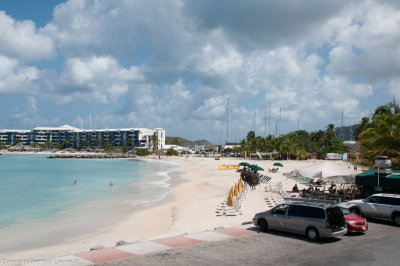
143 248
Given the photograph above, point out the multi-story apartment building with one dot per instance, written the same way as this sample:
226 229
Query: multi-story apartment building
139 137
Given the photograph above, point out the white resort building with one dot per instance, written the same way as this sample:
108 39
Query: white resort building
139 137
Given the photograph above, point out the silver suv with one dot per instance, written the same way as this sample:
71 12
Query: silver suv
382 206
314 219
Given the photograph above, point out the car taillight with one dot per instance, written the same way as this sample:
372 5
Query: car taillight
328 224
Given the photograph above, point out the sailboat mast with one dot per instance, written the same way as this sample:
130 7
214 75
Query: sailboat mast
90 120
342 137
254 122
227 121
280 120
265 122
269 122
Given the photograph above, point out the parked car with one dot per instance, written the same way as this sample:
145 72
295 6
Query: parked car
381 206
355 223
314 219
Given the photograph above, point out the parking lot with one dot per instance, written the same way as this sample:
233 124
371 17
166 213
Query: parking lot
379 246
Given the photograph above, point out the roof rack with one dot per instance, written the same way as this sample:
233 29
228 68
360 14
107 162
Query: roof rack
310 201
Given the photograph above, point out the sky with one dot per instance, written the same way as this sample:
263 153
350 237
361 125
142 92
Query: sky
175 64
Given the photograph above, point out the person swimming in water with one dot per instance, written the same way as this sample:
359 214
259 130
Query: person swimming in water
76 182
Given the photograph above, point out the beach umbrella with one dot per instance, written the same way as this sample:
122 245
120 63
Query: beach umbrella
230 198
240 185
236 191
244 164
256 168
278 164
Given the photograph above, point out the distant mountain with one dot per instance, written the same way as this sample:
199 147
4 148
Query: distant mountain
345 132
187 143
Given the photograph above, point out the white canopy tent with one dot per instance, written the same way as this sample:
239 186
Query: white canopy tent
327 171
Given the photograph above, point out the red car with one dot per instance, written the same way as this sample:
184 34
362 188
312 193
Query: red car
355 223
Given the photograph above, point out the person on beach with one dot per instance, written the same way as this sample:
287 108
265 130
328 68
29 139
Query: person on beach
76 182
111 184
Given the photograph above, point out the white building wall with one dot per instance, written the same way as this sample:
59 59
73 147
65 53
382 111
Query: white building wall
161 137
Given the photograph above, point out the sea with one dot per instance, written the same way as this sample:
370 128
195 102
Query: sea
35 188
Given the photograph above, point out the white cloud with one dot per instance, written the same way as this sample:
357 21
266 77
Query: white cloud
213 108
14 78
22 40
97 78
174 63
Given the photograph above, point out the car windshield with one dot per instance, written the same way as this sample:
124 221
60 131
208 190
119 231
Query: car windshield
280 209
345 211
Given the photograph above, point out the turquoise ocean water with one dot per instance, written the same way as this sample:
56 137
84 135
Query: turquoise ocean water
34 187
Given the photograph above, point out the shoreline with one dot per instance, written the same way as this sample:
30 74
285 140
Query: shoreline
40 246
197 188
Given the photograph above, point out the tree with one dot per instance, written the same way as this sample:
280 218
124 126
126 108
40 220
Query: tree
381 136
172 152
330 132
154 143
2 145
360 128
107 146
96 142
124 149
34 146
64 144
16 142
83 144
47 144
142 152
130 144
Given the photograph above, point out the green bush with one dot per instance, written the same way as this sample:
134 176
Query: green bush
172 152
142 152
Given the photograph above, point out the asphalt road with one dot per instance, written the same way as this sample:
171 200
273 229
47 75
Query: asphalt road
379 246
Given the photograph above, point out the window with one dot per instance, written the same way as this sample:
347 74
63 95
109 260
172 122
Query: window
306 211
280 209
296 210
372 199
389 201
313 212
396 201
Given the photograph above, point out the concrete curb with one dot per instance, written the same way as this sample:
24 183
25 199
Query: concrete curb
143 248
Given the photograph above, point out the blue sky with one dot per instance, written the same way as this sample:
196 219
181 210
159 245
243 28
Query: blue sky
173 64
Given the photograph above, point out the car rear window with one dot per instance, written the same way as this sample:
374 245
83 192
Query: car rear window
306 211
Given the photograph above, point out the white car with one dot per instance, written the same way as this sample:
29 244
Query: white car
381 206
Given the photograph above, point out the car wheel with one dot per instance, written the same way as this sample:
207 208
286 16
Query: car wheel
396 219
312 234
263 225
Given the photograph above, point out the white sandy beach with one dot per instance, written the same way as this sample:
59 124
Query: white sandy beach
189 208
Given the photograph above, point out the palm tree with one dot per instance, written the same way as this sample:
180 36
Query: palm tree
154 142
381 136
330 132
360 128
96 142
